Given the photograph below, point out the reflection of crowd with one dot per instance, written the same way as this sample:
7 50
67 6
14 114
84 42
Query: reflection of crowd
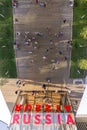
32 41
20 83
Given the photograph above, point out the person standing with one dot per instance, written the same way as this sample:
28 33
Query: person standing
64 21
37 1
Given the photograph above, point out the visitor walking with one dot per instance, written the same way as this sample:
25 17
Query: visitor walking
37 1
64 21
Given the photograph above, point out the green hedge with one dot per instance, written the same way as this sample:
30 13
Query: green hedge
7 57
79 48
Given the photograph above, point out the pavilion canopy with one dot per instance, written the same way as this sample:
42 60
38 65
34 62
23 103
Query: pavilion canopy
5 115
82 110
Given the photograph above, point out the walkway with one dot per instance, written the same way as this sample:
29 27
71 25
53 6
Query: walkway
43 40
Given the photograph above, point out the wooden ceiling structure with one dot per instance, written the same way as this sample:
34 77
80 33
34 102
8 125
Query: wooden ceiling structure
57 100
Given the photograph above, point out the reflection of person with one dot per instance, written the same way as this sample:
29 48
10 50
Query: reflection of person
42 4
44 86
18 83
64 20
36 1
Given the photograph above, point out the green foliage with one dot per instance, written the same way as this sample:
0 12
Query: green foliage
76 45
83 1
79 38
7 57
84 33
76 3
82 64
74 70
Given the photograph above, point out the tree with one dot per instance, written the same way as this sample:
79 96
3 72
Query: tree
82 64
83 1
84 33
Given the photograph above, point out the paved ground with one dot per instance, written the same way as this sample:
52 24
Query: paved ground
45 54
